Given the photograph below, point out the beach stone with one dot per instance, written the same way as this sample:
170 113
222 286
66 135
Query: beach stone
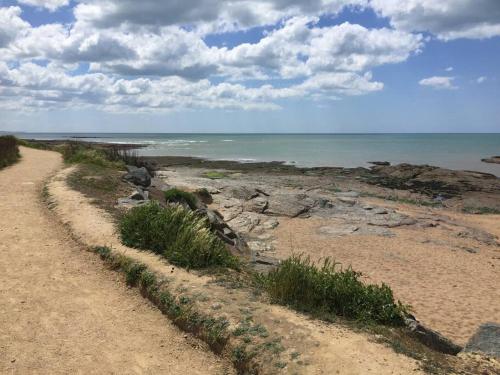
290 205
486 340
431 338
257 204
137 176
243 193
139 195
338 230
391 220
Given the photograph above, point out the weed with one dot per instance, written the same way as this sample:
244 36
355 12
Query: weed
303 285
214 175
179 196
178 234
104 252
134 273
9 152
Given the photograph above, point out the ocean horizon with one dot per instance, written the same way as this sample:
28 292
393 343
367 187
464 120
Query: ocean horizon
460 151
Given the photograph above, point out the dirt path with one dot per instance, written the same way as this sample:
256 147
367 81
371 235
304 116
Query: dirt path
60 311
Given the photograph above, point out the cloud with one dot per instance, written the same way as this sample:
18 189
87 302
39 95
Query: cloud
51 5
11 25
447 19
439 82
481 79
449 69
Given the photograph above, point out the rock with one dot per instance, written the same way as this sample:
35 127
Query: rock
433 181
260 246
486 340
139 195
431 338
347 194
159 184
347 201
289 205
493 159
204 196
214 218
478 235
379 163
244 193
257 204
391 220
138 176
380 211
338 230
368 208
129 203
229 233
245 222
270 224
324 203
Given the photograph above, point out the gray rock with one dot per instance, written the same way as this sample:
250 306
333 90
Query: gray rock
138 176
347 201
257 204
129 203
391 221
139 195
338 230
479 235
288 205
486 340
431 338
347 194
380 211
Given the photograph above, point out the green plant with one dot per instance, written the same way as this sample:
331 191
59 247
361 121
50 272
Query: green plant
133 273
180 235
177 195
481 210
9 152
300 283
214 175
76 153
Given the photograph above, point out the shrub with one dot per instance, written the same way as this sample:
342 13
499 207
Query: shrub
179 235
9 152
176 195
302 284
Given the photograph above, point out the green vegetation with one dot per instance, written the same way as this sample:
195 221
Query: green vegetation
77 153
9 152
36 145
481 210
178 234
176 195
300 283
214 175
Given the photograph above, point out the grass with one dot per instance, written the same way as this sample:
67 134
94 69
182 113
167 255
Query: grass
180 235
214 175
77 153
176 195
324 289
9 151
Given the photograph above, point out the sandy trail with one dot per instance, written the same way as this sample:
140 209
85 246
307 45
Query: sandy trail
60 311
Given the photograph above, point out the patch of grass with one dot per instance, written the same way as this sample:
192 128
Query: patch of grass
481 210
9 152
177 195
133 273
214 175
180 235
77 153
300 283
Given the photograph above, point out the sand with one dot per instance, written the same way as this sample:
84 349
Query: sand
449 288
61 311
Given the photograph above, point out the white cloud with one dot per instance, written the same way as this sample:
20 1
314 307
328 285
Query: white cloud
448 19
11 25
481 79
449 69
51 5
439 82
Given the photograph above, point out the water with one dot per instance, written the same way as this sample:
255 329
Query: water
454 151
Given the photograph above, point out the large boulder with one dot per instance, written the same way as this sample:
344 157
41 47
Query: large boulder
138 176
290 205
486 340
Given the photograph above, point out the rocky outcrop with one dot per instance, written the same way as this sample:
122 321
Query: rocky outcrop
493 159
433 181
138 176
485 341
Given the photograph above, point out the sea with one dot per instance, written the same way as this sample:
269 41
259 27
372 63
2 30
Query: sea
454 151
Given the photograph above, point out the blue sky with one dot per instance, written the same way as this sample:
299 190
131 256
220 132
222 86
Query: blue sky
250 66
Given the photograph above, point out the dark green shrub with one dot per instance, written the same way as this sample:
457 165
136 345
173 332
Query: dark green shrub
9 152
178 234
134 272
300 283
176 196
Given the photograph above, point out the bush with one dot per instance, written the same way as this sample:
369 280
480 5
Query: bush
179 235
9 152
302 284
76 153
176 196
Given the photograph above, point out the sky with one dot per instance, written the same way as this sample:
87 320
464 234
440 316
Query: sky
321 66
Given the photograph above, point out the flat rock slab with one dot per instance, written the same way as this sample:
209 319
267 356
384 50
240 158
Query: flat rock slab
486 340
291 205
